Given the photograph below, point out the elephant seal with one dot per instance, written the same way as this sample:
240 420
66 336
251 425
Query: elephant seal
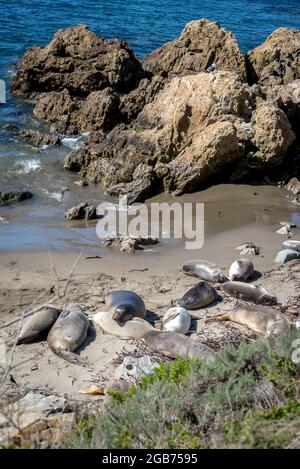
176 319
247 292
38 325
134 328
261 319
175 345
241 270
124 305
198 296
291 244
68 333
204 270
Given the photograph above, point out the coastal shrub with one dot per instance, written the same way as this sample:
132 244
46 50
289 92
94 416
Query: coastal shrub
246 398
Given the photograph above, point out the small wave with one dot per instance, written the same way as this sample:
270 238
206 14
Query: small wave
73 142
4 220
54 195
28 166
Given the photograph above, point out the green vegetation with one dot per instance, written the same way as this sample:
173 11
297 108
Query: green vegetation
247 398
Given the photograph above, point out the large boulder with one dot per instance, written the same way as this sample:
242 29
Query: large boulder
193 121
78 60
277 60
273 134
201 44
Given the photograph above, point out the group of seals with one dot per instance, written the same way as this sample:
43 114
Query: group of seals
66 330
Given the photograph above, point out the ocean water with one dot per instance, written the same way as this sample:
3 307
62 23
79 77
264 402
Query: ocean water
146 25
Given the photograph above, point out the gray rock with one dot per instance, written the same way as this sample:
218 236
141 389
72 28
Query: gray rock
287 255
13 197
40 403
83 211
133 369
292 244
293 186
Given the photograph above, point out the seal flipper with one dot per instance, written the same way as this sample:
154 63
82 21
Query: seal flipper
70 357
223 317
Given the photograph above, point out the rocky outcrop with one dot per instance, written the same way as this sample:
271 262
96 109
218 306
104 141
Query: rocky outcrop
38 139
272 131
83 211
79 61
201 44
77 78
277 60
13 197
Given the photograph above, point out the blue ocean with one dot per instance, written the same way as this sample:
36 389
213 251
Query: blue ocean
146 25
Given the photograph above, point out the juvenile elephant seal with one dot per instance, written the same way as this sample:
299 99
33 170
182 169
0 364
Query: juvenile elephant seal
176 319
124 305
261 319
205 270
241 270
134 328
200 295
178 345
68 333
245 291
38 325
291 244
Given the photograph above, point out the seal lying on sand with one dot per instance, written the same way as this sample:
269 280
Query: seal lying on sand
38 325
245 291
176 319
165 342
172 344
134 328
200 295
291 244
241 270
205 270
261 319
68 333
124 305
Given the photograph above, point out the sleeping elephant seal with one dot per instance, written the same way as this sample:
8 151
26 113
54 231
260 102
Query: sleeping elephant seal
124 305
68 333
38 325
204 270
247 292
176 319
241 270
176 345
198 296
134 328
261 319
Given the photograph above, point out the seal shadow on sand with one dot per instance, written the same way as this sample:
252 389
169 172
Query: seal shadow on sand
91 337
255 276
151 316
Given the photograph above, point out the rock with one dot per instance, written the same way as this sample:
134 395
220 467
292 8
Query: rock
134 369
287 255
38 139
139 188
13 197
83 211
248 249
79 61
132 104
210 151
277 60
10 127
201 44
293 186
202 140
288 225
273 134
128 244
284 230
40 403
